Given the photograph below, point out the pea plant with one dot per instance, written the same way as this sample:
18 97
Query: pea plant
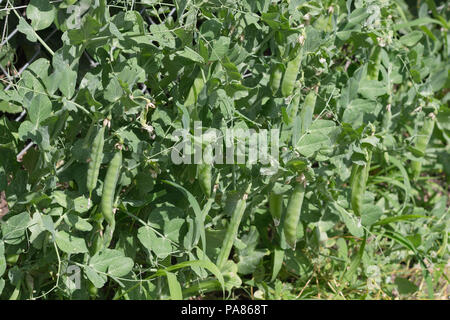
135 139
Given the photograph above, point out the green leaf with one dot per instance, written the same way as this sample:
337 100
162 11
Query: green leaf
359 112
199 219
160 246
89 29
417 22
350 220
190 54
97 279
405 286
40 109
174 286
77 222
411 38
27 30
9 107
311 143
70 244
163 35
108 262
370 214
13 229
371 89
399 218
219 48
41 13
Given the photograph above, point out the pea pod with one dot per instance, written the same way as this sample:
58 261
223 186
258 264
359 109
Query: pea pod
232 231
421 142
374 64
359 176
275 78
12 258
292 109
96 160
109 187
387 119
307 111
195 90
193 94
293 212
290 75
93 291
276 207
204 178
96 239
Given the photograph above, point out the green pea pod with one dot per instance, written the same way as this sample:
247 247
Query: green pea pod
96 160
96 240
421 142
232 231
204 178
195 90
93 291
290 75
292 109
307 111
109 188
374 64
87 138
387 119
276 207
358 179
12 258
275 78
293 211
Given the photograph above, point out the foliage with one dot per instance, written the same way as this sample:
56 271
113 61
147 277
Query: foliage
377 69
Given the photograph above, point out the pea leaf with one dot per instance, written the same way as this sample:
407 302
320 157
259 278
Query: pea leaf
69 243
14 229
41 13
40 109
